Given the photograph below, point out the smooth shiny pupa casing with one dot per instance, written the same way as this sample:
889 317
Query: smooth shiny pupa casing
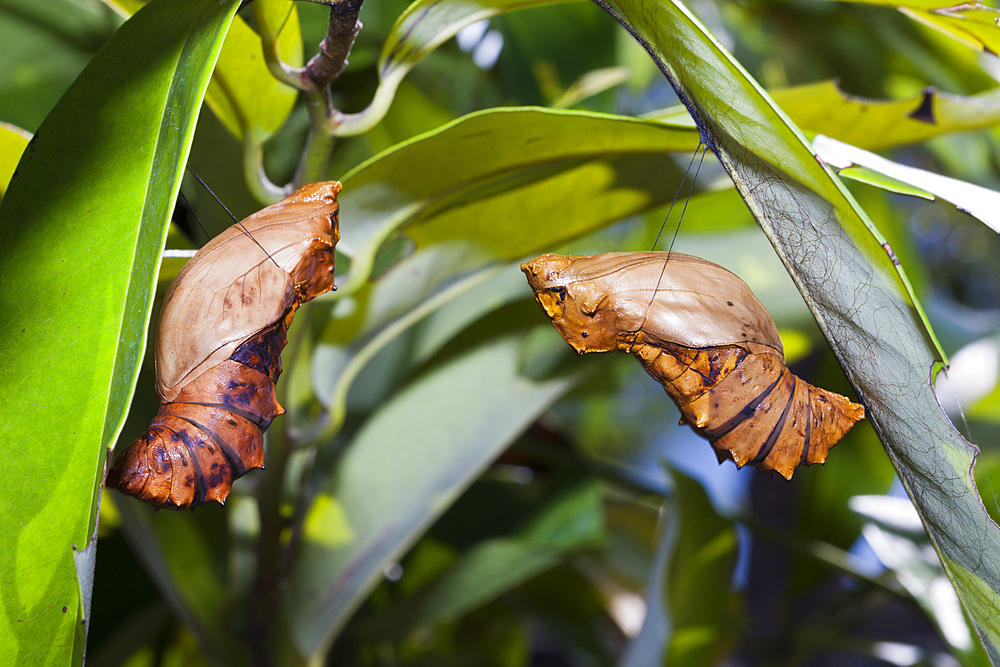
231 289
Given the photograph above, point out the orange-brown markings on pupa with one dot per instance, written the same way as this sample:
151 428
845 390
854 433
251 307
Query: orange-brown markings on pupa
699 331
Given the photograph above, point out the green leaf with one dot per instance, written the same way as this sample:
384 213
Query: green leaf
822 108
486 571
46 45
415 290
972 23
861 301
13 141
423 27
243 94
184 555
83 223
975 200
406 465
880 180
499 172
699 587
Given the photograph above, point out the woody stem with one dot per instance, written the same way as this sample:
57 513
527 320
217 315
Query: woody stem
316 78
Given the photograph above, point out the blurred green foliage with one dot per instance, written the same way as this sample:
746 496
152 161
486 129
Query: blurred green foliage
459 488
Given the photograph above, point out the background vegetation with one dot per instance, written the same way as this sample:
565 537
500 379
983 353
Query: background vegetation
451 485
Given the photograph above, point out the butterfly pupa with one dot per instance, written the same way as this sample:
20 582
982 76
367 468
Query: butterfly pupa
218 348
699 331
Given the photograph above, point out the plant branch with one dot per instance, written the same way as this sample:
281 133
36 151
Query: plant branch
324 68
319 143
315 80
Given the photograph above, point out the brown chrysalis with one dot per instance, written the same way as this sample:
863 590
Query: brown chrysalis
700 331
218 350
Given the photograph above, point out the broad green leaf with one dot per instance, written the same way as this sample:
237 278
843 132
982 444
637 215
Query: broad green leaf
699 587
83 223
423 27
880 180
417 290
482 574
496 203
244 95
410 282
404 467
822 108
860 299
45 46
499 172
975 200
971 23
13 141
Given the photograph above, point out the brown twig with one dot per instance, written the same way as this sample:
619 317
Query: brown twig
315 80
324 68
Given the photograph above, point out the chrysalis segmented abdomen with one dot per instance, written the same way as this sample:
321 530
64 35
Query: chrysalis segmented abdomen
699 331
750 406
220 335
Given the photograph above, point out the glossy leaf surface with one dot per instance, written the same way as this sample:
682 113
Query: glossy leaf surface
822 108
90 252
591 168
